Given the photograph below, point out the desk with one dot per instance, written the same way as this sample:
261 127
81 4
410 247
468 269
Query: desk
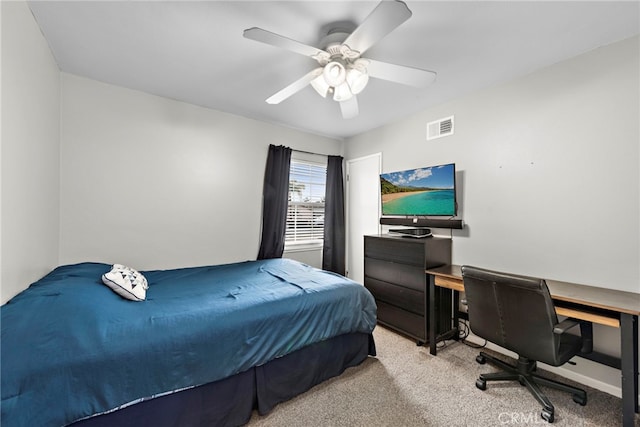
608 307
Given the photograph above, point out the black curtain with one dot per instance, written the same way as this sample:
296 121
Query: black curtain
333 251
274 202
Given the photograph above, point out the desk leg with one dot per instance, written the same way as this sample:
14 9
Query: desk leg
629 359
433 307
456 316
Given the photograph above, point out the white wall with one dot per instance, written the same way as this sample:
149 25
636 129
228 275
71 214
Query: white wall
310 256
548 175
30 152
156 183
548 169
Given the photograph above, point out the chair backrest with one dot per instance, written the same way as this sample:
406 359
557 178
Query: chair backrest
512 311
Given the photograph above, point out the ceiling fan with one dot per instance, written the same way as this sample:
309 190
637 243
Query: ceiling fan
343 72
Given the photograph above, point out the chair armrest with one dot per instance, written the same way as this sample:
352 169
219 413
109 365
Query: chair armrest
586 332
565 325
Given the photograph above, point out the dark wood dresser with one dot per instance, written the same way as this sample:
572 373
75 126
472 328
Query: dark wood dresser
394 272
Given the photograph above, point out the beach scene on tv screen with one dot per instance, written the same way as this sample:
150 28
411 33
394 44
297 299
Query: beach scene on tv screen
423 191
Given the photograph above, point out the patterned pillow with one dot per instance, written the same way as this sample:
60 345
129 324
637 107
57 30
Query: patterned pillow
126 282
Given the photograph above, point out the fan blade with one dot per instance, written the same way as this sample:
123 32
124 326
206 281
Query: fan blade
264 36
386 17
349 108
294 87
400 74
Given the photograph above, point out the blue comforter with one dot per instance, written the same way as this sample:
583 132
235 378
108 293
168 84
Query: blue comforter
72 348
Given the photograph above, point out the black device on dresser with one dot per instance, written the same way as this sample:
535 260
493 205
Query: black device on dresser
394 272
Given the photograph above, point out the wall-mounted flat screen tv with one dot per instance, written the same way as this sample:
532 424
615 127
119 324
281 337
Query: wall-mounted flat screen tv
427 191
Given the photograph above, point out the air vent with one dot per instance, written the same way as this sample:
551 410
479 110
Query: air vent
440 128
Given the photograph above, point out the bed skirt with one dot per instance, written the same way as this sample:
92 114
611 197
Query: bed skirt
231 401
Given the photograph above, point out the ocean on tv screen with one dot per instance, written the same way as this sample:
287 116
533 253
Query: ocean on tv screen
432 202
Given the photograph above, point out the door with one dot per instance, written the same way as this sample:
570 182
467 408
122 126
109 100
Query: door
363 209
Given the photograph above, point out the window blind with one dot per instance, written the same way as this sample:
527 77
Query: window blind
305 213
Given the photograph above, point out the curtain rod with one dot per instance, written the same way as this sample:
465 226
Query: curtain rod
306 152
309 152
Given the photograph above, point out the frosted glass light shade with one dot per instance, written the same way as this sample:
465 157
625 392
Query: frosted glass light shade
357 80
320 85
342 92
334 73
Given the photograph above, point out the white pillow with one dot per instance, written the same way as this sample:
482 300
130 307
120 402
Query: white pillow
126 282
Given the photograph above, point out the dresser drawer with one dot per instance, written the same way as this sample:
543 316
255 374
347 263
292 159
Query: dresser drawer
404 275
402 320
395 250
406 298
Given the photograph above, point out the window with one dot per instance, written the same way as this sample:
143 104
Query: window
305 213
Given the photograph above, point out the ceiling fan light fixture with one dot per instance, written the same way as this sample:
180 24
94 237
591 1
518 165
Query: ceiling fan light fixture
343 73
321 86
334 73
357 80
342 93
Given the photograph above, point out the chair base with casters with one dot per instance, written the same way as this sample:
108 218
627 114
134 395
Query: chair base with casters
523 372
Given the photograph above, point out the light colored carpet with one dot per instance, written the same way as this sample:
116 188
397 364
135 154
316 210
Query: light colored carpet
406 386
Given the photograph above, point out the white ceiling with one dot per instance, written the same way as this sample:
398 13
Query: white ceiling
194 51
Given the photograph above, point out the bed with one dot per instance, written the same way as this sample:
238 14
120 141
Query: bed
208 346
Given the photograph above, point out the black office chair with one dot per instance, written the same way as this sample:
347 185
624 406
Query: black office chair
517 313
